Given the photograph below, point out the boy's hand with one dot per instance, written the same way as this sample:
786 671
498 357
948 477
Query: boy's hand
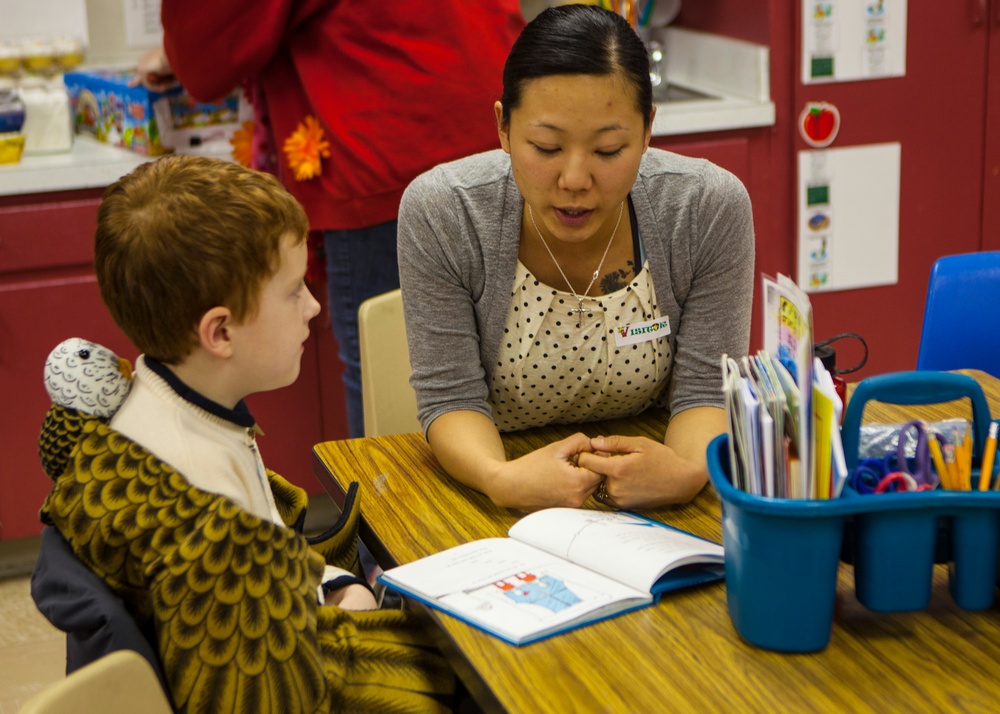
352 597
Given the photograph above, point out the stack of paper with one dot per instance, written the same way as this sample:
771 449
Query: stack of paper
784 413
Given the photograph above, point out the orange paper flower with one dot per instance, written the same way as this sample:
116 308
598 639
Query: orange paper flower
242 143
305 148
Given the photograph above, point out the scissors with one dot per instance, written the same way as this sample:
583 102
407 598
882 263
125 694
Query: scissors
893 473
921 471
870 473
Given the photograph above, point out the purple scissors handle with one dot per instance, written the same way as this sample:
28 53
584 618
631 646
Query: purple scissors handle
922 472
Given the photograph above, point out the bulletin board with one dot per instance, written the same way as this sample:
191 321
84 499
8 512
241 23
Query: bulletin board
845 40
848 217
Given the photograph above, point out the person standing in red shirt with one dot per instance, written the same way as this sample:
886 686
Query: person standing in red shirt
352 101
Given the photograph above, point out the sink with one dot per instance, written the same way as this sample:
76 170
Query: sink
676 93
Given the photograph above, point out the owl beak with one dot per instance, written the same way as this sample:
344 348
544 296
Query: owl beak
125 367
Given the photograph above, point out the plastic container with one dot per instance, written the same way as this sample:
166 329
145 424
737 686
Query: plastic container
48 123
37 55
68 52
12 115
783 555
11 147
11 55
11 108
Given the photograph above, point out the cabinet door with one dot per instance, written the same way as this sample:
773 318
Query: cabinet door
731 153
991 173
35 315
745 154
331 373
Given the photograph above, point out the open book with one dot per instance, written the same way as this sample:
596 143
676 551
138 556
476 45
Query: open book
561 568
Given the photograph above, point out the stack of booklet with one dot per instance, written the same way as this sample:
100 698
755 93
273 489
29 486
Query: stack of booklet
784 412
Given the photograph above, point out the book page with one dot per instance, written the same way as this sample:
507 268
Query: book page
508 587
623 546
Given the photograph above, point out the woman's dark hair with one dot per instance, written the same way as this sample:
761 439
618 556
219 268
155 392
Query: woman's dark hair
577 39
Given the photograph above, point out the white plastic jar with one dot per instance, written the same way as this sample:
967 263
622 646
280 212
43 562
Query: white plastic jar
48 119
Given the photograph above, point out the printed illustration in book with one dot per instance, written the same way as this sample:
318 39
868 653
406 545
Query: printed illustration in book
560 568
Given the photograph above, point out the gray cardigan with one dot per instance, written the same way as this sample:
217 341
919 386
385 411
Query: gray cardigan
459 230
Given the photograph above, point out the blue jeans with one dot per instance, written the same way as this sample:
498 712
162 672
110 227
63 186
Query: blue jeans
360 264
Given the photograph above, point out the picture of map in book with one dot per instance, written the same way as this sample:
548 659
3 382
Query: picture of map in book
547 591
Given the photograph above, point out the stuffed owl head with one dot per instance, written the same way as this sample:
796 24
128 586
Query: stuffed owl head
87 377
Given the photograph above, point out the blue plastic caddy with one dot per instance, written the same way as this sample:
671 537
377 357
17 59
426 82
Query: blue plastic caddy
783 555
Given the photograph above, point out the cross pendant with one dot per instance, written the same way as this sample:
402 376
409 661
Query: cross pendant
579 312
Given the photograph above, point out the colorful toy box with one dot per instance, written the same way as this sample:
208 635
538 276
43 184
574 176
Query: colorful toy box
108 107
111 105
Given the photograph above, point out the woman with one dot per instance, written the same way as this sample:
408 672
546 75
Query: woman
575 275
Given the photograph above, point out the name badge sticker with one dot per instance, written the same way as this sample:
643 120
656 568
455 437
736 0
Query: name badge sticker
642 332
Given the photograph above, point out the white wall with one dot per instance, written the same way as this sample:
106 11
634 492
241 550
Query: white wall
108 43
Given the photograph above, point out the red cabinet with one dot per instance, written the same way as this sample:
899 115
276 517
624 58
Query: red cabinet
746 153
48 292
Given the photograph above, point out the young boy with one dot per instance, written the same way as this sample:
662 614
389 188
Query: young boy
202 264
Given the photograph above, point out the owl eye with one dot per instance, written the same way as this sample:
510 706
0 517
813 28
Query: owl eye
83 354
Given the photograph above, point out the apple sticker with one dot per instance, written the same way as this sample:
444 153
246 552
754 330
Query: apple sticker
819 123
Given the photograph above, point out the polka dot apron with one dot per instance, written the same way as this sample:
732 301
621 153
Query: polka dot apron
550 371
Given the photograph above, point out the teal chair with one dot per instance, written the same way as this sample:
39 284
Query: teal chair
960 318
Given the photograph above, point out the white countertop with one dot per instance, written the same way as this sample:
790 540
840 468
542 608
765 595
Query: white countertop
734 73
91 164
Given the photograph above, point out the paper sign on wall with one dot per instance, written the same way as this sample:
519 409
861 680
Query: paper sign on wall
142 23
848 224
846 40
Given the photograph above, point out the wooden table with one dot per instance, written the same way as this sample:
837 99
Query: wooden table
684 653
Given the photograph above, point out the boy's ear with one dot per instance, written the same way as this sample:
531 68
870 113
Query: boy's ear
214 332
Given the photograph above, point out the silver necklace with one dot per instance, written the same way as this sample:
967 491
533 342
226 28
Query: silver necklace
580 309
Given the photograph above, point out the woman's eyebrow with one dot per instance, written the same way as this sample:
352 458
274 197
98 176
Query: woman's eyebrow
600 130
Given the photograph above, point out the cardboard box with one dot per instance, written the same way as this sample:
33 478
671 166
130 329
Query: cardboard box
189 126
106 106
112 106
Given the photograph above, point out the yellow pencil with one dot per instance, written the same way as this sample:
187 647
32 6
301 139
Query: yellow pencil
967 455
986 472
967 459
954 478
939 464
